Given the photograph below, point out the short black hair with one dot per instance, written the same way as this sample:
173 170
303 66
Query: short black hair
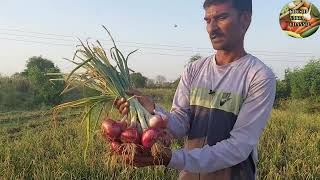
240 5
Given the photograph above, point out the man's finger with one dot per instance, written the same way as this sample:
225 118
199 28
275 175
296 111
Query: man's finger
116 101
139 161
123 105
125 111
119 102
132 92
145 161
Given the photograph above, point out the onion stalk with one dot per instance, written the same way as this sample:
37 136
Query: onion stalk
107 74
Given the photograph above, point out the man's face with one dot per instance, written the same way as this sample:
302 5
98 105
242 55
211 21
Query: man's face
225 25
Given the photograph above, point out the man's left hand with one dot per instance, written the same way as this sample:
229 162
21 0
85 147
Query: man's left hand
141 160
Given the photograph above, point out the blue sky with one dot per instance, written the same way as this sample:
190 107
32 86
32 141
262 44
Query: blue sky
132 22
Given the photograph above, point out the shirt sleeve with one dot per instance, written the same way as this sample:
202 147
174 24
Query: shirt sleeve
245 134
179 116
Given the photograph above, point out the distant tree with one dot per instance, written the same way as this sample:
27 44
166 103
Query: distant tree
282 90
192 59
160 79
175 83
312 76
305 82
195 58
45 91
139 80
315 87
15 93
150 83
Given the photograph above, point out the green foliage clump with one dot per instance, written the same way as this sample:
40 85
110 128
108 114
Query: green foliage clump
139 80
31 88
44 91
15 93
300 83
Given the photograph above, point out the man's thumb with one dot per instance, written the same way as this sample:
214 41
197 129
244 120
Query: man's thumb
133 92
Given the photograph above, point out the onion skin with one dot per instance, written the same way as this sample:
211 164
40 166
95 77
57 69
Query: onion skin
157 121
123 125
116 147
111 130
153 135
130 135
150 136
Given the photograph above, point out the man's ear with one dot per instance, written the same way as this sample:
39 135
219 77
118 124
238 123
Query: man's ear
245 19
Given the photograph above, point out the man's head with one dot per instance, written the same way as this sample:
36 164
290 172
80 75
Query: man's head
227 22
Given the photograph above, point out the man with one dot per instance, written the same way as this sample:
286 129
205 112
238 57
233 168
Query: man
222 102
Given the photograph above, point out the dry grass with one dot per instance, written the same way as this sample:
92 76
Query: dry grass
31 148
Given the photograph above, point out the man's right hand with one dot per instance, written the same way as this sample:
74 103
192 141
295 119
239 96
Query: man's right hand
123 105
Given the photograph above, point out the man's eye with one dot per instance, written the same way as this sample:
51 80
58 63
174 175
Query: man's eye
222 17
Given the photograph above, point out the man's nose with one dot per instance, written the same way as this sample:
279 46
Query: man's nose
212 27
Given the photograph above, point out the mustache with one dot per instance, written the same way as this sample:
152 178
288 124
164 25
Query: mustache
216 34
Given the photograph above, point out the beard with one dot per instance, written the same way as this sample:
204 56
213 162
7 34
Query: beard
218 42
217 39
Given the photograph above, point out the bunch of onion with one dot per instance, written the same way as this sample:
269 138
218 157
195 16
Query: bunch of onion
146 139
109 75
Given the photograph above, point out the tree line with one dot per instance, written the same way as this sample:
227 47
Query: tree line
32 88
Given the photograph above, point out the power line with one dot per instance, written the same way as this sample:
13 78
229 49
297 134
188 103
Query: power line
163 54
37 42
195 49
32 32
38 37
108 42
166 49
69 36
129 42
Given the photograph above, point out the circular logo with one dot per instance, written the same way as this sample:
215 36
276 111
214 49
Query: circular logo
299 19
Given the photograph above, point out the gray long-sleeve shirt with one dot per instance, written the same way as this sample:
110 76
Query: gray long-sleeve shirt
222 110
